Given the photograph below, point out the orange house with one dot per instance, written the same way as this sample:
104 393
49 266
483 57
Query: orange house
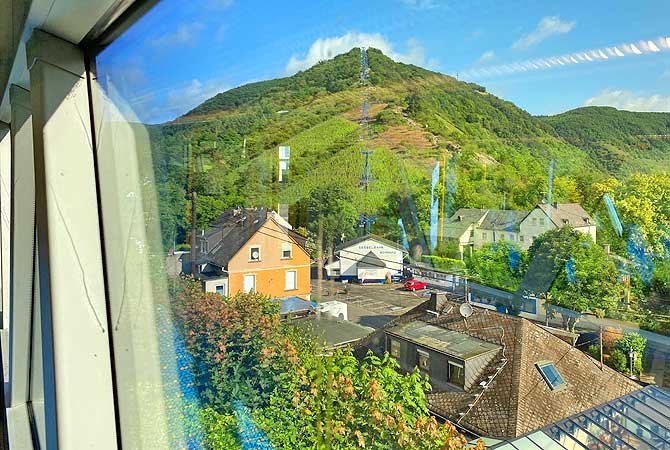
253 250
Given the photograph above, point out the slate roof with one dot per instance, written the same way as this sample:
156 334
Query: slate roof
562 214
503 219
332 333
518 400
360 239
231 230
371 260
458 223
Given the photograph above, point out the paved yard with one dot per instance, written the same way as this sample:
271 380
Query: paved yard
371 305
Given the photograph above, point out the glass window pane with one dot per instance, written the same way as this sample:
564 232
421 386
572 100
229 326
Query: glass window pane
518 161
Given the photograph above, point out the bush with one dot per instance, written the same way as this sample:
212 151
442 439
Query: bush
618 361
593 351
220 430
660 283
441 263
635 342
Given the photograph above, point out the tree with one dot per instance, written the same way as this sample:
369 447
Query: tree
341 403
660 282
500 264
575 272
636 343
299 396
331 216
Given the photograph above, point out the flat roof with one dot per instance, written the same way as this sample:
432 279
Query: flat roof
330 332
451 342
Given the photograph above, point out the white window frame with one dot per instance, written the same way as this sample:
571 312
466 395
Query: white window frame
295 280
251 251
284 247
244 286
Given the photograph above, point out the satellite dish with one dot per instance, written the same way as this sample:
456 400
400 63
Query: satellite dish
254 254
465 310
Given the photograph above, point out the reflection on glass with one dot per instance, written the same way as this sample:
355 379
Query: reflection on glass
275 196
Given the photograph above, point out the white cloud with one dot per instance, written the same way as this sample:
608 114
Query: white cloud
487 56
328 48
547 27
180 101
630 101
184 35
420 4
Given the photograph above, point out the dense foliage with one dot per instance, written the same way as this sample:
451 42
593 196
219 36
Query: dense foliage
298 396
574 271
500 264
620 356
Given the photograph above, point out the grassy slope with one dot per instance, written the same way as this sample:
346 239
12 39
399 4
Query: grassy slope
417 116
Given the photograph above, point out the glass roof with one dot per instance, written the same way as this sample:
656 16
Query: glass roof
637 421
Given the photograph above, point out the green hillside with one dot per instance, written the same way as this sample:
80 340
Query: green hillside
494 151
621 142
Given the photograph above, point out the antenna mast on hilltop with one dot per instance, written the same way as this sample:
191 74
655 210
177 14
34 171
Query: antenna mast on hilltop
365 220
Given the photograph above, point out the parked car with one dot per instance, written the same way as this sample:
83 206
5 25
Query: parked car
414 285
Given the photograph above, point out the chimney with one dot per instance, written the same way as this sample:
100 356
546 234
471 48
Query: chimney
460 218
555 205
432 302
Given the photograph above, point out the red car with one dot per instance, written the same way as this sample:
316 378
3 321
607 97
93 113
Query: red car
414 285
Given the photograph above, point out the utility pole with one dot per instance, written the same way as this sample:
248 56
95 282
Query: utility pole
191 170
601 346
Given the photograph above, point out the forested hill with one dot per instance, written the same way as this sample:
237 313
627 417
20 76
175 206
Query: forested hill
494 150
621 141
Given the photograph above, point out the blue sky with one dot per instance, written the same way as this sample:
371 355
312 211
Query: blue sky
545 56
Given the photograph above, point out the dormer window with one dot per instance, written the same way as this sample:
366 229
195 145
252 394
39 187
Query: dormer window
551 376
255 254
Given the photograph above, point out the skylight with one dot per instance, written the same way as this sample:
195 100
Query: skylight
551 375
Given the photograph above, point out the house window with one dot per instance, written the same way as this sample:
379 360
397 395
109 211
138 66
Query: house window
551 375
521 238
534 221
395 348
484 236
456 374
424 361
529 305
220 289
250 283
291 280
511 237
283 171
541 221
255 253
287 250
204 247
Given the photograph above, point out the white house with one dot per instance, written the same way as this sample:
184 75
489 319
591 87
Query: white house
367 259
473 228
546 217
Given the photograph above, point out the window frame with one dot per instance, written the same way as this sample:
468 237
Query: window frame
449 377
554 387
394 348
260 253
295 280
288 245
244 283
